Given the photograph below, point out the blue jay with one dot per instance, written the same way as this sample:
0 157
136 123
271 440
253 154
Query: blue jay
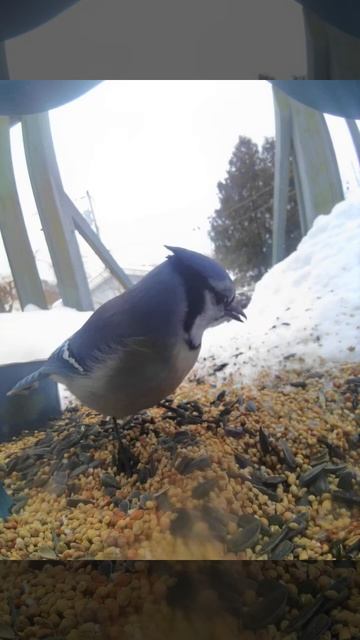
138 347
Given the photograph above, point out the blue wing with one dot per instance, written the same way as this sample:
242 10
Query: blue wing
150 310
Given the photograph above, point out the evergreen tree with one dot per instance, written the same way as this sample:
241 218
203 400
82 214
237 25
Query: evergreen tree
241 228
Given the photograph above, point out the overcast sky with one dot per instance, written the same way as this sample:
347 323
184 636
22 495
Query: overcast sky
151 154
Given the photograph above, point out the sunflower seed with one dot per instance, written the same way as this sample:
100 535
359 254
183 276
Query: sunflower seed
273 480
108 480
310 476
307 612
267 492
264 442
320 485
346 481
289 457
182 523
268 610
316 627
216 520
203 489
234 433
246 538
282 550
349 497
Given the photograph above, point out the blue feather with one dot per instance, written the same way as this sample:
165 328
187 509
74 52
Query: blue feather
29 382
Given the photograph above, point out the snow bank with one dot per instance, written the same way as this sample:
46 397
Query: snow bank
305 310
33 335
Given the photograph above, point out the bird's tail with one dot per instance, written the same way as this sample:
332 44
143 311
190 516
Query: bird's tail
29 382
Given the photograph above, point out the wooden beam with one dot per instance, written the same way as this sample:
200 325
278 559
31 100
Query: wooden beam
300 198
12 226
93 240
282 172
355 135
58 226
303 132
316 160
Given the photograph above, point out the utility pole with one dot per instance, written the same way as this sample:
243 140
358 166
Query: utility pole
89 213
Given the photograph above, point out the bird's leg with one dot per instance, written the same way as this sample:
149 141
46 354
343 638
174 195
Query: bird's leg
118 431
117 435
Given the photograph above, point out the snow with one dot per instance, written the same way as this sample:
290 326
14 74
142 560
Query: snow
33 335
305 310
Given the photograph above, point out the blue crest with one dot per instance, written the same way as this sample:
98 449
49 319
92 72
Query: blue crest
207 267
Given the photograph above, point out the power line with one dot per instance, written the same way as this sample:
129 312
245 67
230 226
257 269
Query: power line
250 199
254 197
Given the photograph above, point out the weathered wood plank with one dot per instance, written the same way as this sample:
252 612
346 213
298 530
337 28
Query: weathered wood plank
58 226
12 226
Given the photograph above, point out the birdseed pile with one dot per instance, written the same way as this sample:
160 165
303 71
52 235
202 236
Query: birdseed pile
266 471
202 600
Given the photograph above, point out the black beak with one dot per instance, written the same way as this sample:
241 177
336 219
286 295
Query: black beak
235 311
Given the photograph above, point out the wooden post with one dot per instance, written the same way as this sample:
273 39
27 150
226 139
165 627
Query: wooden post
302 131
315 154
355 135
12 226
57 224
282 172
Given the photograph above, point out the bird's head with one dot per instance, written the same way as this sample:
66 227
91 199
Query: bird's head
210 293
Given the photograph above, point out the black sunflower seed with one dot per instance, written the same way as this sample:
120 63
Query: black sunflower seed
275 520
310 476
268 610
301 384
273 480
108 480
203 489
216 520
267 492
264 442
75 501
307 612
79 470
182 523
242 461
350 497
121 504
316 627
282 550
234 433
320 485
246 538
274 541
289 457
345 481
